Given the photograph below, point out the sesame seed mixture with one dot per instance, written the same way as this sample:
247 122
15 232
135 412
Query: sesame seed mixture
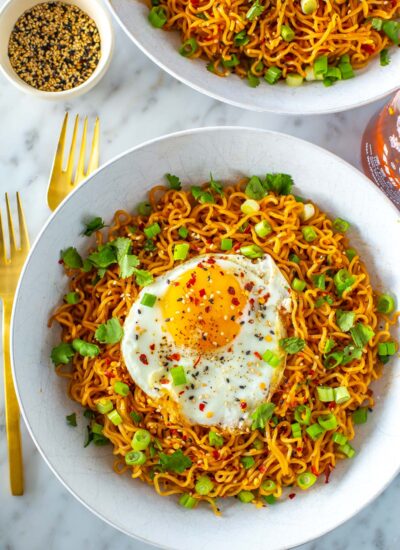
54 46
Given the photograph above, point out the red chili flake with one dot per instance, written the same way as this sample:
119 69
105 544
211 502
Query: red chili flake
236 246
231 290
314 471
176 284
207 309
61 261
332 406
201 265
109 374
258 355
247 230
174 357
202 292
108 361
368 48
152 347
299 449
174 432
328 471
266 297
141 225
262 468
143 358
311 372
249 287
243 405
164 381
184 437
292 495
209 241
202 406
181 392
251 301
215 454
197 361
196 301
191 281
235 301
210 261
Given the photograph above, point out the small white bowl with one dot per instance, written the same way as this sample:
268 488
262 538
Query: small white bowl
13 9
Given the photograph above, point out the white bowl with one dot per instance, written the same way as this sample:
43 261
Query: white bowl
13 9
370 84
132 506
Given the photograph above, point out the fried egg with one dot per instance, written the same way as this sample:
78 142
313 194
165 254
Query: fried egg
202 337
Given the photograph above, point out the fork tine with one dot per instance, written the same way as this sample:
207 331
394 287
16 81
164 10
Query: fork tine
95 152
23 231
3 251
13 242
71 157
58 159
80 169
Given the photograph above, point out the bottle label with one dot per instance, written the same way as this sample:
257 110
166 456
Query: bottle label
382 175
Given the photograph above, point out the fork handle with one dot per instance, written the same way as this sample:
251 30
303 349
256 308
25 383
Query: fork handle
12 412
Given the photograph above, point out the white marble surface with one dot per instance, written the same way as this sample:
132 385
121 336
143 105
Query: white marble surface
136 102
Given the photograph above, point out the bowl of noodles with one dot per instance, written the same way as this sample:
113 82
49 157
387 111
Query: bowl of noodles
292 56
212 341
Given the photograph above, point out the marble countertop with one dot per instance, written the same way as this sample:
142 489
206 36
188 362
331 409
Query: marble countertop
136 101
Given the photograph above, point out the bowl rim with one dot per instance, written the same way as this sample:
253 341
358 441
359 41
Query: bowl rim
246 106
88 84
208 129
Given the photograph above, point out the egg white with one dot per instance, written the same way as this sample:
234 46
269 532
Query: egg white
223 387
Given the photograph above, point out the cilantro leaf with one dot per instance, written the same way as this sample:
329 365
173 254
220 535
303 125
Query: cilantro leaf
71 420
292 345
122 246
136 417
177 462
255 11
254 188
87 266
72 298
86 349
384 57
110 332
63 353
261 415
174 182
281 184
93 225
104 257
201 196
143 278
71 258
345 319
127 265
216 186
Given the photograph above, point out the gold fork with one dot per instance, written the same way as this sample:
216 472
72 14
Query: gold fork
10 268
62 181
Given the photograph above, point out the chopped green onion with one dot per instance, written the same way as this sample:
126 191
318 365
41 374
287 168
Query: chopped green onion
183 232
144 209
386 348
347 450
386 304
287 33
294 258
345 319
104 406
181 251
246 496
114 417
296 430
340 225
189 47
392 31
298 285
97 428
255 10
321 65
361 334
135 458
136 417
152 230
121 388
248 462
148 300
226 244
232 62
319 281
71 420
72 298
346 71
339 438
343 280
141 440
268 486
258 444
333 360
360 416
294 79
252 251
250 206
178 375
327 421
309 234
309 6
315 431
204 485
329 345
325 394
157 17
376 23
241 38
263 228
292 345
271 358
272 75
350 253
269 499
341 395
305 480
302 414
384 57
215 440
252 80
188 501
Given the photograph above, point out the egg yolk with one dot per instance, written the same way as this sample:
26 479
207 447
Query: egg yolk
202 308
